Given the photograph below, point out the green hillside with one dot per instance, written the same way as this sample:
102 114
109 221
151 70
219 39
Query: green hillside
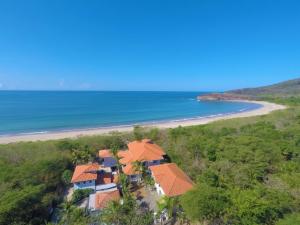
284 89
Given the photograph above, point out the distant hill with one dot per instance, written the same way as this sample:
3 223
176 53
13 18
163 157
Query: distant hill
280 90
284 89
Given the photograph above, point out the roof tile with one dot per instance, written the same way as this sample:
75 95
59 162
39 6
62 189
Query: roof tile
172 179
103 198
85 172
144 150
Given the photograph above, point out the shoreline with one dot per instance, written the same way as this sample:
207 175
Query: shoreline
266 108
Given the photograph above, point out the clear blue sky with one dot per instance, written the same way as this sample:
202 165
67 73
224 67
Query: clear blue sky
148 44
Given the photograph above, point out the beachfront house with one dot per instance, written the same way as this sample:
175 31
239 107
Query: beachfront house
170 180
93 176
144 151
85 176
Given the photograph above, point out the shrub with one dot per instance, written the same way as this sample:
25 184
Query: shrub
80 194
66 177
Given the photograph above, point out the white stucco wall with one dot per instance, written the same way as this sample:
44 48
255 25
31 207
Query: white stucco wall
84 185
92 199
159 190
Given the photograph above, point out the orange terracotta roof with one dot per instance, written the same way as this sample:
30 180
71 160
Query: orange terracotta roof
129 169
144 150
125 157
105 153
85 172
171 178
103 198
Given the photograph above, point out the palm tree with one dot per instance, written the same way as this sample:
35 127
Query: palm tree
139 168
67 209
148 180
126 213
169 204
114 149
80 155
124 183
112 213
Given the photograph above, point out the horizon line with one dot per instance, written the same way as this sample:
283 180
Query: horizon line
95 90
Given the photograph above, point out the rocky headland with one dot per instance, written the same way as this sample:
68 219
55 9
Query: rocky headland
223 97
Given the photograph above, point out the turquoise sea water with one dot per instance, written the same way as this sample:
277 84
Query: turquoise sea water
45 111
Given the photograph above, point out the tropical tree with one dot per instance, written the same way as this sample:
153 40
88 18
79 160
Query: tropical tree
205 203
66 208
114 149
125 184
137 133
66 177
81 155
72 215
148 180
80 194
140 168
168 204
127 213
112 213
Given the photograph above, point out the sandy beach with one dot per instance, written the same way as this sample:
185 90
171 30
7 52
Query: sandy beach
266 108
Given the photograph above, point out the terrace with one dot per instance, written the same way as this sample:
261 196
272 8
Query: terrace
146 197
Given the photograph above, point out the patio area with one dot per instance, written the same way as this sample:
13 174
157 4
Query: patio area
146 197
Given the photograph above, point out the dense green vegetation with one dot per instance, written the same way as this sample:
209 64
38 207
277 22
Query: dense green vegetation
33 176
30 181
127 213
291 219
246 171
80 194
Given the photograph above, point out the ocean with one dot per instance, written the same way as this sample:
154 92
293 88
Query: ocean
23 112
